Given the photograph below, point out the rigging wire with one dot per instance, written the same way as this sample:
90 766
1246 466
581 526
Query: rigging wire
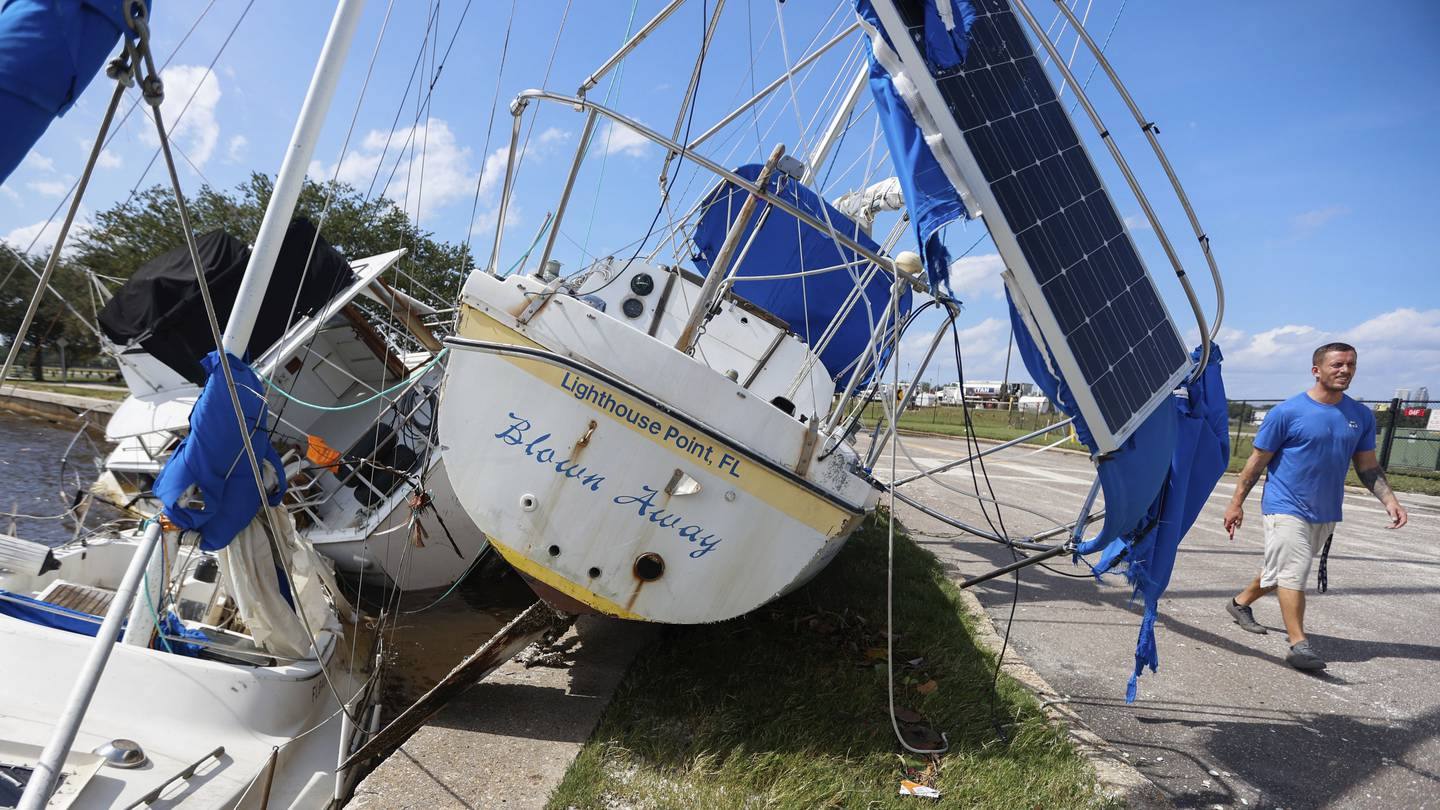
123 118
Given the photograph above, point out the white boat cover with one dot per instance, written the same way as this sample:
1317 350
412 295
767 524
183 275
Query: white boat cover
248 566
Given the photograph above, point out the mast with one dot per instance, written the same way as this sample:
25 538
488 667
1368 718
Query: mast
292 176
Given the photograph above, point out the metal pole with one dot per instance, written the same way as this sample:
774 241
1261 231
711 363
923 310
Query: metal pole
517 109
878 447
47 771
565 194
1025 562
628 47
950 465
291 177
54 261
689 97
837 124
718 267
917 283
1085 508
1389 434
771 87
1130 180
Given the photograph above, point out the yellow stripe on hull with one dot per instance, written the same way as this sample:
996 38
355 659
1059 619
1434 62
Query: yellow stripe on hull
573 590
781 493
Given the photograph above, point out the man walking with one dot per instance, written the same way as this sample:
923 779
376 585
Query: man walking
1307 443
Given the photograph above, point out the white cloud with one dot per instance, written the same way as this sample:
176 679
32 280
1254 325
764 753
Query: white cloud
619 140
983 347
235 149
38 162
106 160
1309 221
426 151
10 193
21 238
49 188
554 135
974 276
1136 222
485 222
1399 348
197 132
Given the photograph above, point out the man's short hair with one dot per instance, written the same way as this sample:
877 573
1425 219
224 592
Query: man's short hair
1327 348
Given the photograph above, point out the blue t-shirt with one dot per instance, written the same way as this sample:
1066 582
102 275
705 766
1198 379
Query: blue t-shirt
1313 444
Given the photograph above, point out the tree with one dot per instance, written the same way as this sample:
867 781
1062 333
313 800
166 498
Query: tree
125 236
52 319
130 233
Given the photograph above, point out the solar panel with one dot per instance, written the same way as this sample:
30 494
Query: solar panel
1052 220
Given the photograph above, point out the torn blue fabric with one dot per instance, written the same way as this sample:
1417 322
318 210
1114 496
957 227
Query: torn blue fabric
931 199
1131 477
212 458
1155 485
1201 456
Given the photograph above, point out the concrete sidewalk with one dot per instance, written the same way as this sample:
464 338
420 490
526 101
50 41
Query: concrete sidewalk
1225 722
507 742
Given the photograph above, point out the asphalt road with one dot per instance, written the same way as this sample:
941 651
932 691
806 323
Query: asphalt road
1225 722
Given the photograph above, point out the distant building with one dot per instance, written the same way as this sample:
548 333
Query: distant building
1258 416
1035 404
1422 394
1402 394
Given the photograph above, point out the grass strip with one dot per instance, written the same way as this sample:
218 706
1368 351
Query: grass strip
117 393
786 707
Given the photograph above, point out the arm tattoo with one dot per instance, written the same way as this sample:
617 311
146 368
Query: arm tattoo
1374 480
1248 479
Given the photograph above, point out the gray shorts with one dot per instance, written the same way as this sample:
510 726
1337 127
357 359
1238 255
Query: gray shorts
1291 545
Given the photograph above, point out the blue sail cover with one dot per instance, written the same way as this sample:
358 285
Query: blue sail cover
785 245
1202 454
930 191
49 52
1155 484
212 458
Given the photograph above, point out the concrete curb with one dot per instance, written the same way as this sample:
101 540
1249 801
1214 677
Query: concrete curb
1117 778
49 405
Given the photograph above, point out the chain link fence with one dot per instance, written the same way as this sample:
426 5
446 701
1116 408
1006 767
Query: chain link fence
1407 432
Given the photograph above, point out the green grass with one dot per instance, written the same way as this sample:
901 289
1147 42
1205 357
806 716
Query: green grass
995 425
786 707
999 425
1400 481
117 393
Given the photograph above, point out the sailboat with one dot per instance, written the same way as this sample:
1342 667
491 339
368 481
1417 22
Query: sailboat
344 388
232 684
672 440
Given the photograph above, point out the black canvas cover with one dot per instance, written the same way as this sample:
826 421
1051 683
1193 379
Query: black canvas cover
160 306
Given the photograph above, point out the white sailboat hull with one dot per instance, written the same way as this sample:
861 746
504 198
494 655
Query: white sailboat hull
649 503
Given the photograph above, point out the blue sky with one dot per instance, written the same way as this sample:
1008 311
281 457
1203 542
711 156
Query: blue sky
1305 134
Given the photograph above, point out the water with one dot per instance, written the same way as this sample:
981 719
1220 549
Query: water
421 646
38 479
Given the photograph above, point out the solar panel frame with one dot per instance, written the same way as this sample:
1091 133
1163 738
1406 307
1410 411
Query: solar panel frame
1116 400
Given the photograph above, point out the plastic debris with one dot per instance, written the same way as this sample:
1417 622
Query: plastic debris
908 788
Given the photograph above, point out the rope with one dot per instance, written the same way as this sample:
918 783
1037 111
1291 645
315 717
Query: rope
408 381
154 92
526 255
